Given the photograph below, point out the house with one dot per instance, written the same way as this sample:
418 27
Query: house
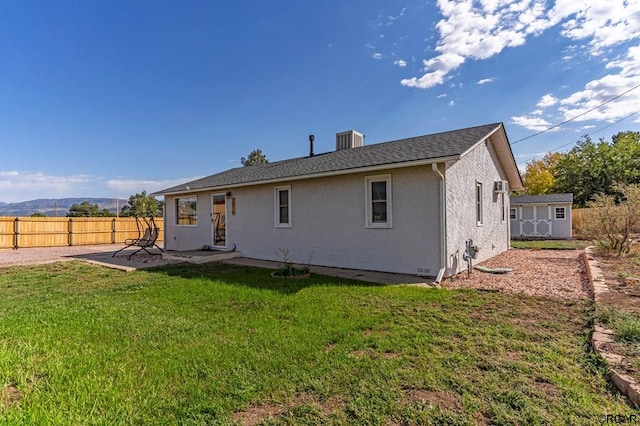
541 216
405 206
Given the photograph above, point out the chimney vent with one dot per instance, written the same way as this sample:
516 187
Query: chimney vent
349 139
311 139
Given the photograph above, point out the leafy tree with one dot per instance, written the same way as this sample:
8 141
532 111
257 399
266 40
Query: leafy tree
593 168
539 175
38 214
86 209
141 205
255 157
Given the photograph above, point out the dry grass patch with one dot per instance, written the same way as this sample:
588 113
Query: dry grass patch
260 413
442 399
10 394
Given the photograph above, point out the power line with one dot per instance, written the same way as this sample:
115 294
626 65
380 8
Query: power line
588 134
577 116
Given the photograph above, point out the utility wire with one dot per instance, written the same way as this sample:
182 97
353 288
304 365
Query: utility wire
577 116
588 134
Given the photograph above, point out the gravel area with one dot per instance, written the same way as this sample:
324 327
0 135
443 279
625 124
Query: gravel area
29 256
93 253
559 274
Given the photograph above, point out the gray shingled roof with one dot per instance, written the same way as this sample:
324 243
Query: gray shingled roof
438 145
542 199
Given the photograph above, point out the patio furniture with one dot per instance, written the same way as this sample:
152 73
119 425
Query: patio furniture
146 239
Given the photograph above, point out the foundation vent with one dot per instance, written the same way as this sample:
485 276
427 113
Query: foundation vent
349 139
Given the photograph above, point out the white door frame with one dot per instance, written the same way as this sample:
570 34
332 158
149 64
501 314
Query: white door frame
213 224
535 221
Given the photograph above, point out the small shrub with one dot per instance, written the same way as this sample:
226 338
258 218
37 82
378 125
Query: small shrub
288 269
610 222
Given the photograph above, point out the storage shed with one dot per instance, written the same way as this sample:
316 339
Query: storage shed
541 216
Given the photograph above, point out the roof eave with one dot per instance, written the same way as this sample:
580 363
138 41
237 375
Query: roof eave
505 156
412 163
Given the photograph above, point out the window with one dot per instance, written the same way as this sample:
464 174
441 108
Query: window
560 213
378 198
479 203
186 212
283 206
513 214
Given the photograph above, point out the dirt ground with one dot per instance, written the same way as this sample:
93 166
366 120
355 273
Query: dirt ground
622 275
558 274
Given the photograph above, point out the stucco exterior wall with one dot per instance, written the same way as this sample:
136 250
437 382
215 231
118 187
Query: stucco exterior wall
492 237
328 223
188 237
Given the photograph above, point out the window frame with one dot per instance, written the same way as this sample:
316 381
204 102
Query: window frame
368 219
277 206
564 213
479 204
515 213
195 209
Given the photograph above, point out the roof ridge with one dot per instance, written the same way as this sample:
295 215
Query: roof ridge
451 143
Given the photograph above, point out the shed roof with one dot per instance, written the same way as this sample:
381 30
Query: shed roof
445 145
542 199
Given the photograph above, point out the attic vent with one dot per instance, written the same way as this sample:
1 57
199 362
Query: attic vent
349 139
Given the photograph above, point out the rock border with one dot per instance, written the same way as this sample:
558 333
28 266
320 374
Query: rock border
602 336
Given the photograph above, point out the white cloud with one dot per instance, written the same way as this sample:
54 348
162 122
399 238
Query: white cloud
603 23
442 95
401 63
537 112
22 186
391 19
609 86
485 80
547 101
536 124
377 55
452 103
132 186
480 29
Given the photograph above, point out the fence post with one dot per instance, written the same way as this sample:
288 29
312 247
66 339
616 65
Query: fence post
113 231
70 231
16 232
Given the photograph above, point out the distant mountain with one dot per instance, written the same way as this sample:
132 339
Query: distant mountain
56 207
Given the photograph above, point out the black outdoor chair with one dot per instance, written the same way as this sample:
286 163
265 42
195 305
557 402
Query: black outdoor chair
146 239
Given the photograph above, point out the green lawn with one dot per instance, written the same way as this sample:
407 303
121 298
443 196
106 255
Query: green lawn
551 244
195 344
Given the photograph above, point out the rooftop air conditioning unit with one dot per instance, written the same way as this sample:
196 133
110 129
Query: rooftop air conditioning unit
349 139
501 186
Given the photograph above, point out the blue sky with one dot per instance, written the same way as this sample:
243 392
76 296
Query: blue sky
109 98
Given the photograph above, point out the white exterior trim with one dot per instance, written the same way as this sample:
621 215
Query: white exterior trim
213 226
367 169
479 203
368 180
555 213
175 210
276 206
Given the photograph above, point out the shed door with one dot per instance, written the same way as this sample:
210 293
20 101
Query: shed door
535 221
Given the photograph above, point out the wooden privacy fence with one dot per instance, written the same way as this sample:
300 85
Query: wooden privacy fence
18 232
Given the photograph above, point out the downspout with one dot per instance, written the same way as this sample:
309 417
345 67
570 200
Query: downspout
443 225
